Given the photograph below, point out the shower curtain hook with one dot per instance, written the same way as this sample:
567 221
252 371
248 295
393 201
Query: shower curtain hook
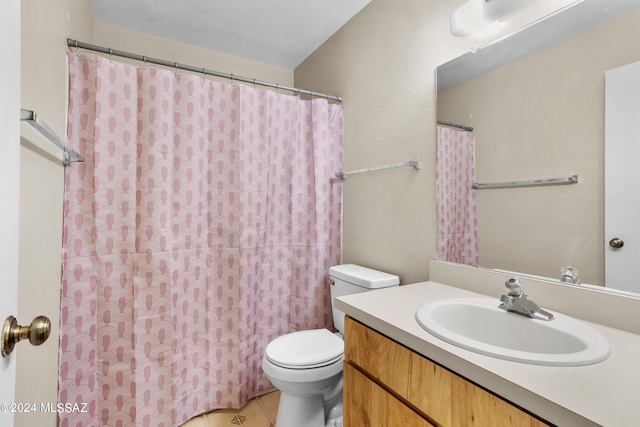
77 50
299 92
204 73
144 60
110 54
175 64
277 86
254 82
231 78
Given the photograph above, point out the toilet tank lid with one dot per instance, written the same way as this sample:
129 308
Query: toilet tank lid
363 276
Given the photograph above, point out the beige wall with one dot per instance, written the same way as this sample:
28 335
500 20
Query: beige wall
543 116
45 27
382 63
143 44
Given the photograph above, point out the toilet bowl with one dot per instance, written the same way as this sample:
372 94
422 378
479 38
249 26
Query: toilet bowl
306 377
306 366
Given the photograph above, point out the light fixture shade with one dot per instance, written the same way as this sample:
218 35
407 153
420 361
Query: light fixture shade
476 14
467 18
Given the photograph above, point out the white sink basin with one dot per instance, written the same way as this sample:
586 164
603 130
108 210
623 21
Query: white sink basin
479 325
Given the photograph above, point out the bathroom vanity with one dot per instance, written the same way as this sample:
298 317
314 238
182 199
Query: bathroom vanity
396 373
420 392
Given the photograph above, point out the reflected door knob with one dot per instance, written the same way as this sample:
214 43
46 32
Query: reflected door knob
616 243
37 332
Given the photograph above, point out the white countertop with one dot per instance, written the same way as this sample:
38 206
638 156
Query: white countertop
603 394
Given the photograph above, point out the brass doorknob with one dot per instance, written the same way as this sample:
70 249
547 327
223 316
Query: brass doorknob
37 332
616 243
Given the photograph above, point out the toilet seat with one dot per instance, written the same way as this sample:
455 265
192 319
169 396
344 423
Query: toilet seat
305 349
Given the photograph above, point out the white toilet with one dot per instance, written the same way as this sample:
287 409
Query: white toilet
306 366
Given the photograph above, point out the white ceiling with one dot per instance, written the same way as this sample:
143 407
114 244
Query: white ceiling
277 32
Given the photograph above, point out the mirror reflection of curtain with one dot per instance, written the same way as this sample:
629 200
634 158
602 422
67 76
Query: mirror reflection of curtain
201 226
457 229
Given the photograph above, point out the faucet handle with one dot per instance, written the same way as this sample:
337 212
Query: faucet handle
569 275
515 287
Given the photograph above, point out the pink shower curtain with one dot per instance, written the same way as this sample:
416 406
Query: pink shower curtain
457 228
201 226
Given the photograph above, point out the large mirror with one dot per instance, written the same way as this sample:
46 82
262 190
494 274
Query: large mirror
536 102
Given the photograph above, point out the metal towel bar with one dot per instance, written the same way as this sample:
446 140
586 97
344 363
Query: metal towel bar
412 163
70 155
527 182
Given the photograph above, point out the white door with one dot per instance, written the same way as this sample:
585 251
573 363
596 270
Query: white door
9 188
622 178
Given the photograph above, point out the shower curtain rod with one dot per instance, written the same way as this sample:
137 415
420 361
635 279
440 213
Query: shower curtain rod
113 52
454 125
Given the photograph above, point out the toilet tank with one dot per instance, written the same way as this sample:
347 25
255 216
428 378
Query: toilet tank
350 279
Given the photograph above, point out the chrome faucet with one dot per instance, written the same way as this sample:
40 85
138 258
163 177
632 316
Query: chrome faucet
516 302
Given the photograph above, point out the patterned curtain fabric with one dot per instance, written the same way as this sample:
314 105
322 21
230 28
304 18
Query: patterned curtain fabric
457 228
201 226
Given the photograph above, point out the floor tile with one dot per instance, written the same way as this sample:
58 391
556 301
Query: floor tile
238 420
270 400
251 408
258 412
257 420
220 417
273 413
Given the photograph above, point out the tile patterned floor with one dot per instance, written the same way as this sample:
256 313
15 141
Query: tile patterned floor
259 412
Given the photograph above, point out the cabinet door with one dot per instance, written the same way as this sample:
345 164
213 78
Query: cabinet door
383 359
366 404
430 389
475 407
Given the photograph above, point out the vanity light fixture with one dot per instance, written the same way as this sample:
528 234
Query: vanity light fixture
476 14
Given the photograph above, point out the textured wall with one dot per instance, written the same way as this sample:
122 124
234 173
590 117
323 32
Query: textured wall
45 27
131 41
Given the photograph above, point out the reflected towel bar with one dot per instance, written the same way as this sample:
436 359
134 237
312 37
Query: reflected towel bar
70 155
455 125
528 182
413 163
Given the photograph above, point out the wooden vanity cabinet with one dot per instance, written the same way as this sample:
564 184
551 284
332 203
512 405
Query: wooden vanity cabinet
371 405
386 384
